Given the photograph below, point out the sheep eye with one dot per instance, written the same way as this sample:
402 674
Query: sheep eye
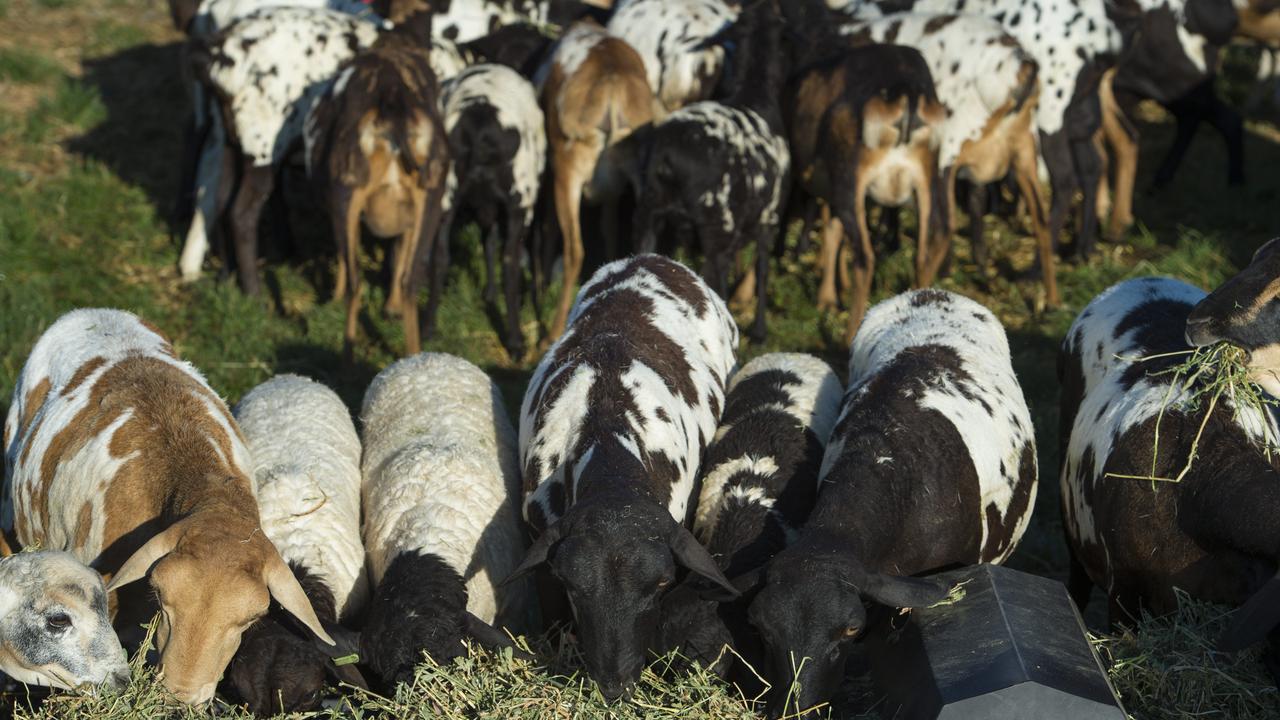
58 621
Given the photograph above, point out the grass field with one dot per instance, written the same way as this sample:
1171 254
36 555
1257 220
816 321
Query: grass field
92 102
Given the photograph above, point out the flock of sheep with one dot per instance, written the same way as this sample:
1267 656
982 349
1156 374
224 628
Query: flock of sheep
683 121
662 497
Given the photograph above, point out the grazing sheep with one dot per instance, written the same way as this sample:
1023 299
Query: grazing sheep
759 481
931 387
595 94
612 430
990 89
1212 534
723 166
441 523
306 457
53 618
499 147
121 454
670 37
376 145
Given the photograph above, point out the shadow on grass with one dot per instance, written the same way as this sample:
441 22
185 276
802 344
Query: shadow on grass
325 365
141 140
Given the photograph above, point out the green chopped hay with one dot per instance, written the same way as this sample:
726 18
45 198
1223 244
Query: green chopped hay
955 595
1166 668
1206 377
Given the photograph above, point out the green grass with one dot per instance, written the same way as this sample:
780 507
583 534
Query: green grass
88 174
23 66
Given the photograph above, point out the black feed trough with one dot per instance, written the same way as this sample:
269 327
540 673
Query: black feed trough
1013 648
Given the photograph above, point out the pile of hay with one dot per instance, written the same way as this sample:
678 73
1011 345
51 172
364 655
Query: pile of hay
1166 668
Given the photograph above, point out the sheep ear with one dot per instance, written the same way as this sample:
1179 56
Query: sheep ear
347 643
1254 619
286 590
490 637
690 553
903 592
537 554
749 581
136 567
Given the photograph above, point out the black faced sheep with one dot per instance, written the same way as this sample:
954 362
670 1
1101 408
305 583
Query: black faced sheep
306 458
925 364
442 528
1212 534
759 481
612 431
723 167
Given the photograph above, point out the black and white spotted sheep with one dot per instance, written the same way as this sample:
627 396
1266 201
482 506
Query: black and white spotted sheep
932 463
759 481
612 432
442 528
306 471
990 88
1067 39
266 71
669 35
723 167
498 143
1126 418
209 134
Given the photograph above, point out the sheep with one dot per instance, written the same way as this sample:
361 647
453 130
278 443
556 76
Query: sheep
1211 534
612 430
499 148
266 101
596 93
442 528
376 145
724 166
759 480
863 121
1069 42
120 453
207 168
670 36
54 621
306 469
931 386
989 87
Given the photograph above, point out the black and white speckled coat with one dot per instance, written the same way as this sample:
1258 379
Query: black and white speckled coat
932 463
612 432
759 481
498 143
723 167
669 35
442 530
1213 534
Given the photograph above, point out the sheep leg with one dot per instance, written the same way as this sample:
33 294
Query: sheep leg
746 289
832 237
208 177
1122 137
806 226
222 200
345 216
572 167
977 224
490 269
511 277
429 237
864 265
1025 171
1088 168
927 262
256 183
764 250
1057 157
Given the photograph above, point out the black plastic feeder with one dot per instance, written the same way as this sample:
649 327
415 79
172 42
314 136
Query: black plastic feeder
1013 648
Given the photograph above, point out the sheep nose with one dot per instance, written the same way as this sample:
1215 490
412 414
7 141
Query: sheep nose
118 679
1199 332
194 696
613 691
